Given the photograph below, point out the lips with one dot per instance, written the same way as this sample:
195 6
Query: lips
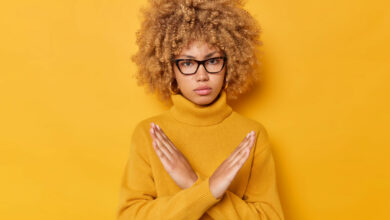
202 88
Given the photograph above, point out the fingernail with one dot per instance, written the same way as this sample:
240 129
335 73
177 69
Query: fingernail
158 127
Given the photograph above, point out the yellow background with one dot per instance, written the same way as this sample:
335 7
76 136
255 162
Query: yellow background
69 106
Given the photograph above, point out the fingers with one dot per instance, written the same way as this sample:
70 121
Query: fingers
161 135
243 154
163 149
164 159
245 146
241 145
160 143
158 150
162 140
248 137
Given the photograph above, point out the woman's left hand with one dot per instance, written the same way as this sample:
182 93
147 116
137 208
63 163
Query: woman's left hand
172 159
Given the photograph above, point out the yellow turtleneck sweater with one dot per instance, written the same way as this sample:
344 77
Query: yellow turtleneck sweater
206 135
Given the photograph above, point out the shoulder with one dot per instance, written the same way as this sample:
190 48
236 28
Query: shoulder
144 125
246 122
141 140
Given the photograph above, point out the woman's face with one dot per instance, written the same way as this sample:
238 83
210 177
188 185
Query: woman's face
188 84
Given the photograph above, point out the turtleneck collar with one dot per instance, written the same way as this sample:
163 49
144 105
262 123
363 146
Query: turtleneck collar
188 112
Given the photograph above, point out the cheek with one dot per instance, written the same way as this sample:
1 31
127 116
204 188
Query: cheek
218 79
178 76
182 81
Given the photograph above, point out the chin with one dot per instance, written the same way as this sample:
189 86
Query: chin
204 100
200 99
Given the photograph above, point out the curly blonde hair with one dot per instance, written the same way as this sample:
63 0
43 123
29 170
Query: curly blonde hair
170 25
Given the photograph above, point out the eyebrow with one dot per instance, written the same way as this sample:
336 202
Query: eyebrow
207 56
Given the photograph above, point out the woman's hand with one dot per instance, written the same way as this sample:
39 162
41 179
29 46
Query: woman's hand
172 159
225 173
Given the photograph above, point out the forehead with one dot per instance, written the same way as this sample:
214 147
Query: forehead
198 48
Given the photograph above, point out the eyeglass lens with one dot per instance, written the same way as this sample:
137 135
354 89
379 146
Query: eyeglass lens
190 66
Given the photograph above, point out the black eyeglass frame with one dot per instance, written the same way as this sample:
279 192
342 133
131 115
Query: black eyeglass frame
200 62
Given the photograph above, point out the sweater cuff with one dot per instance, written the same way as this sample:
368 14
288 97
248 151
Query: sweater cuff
204 191
205 199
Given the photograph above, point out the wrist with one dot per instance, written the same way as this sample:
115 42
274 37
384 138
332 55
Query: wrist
192 181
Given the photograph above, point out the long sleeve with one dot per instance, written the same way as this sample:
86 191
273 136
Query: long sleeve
138 197
261 199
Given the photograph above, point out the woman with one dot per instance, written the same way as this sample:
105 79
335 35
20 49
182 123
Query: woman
200 159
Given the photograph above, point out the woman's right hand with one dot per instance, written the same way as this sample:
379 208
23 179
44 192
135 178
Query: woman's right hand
225 173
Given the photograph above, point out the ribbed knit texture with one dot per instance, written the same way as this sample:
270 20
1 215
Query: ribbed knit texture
206 135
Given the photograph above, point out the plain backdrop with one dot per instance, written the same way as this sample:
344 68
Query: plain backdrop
69 104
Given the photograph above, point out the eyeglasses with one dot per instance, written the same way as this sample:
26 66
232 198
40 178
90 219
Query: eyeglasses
190 66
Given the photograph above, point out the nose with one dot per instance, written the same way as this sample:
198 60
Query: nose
202 74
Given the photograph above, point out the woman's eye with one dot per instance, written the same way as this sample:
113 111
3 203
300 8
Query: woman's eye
186 64
213 61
